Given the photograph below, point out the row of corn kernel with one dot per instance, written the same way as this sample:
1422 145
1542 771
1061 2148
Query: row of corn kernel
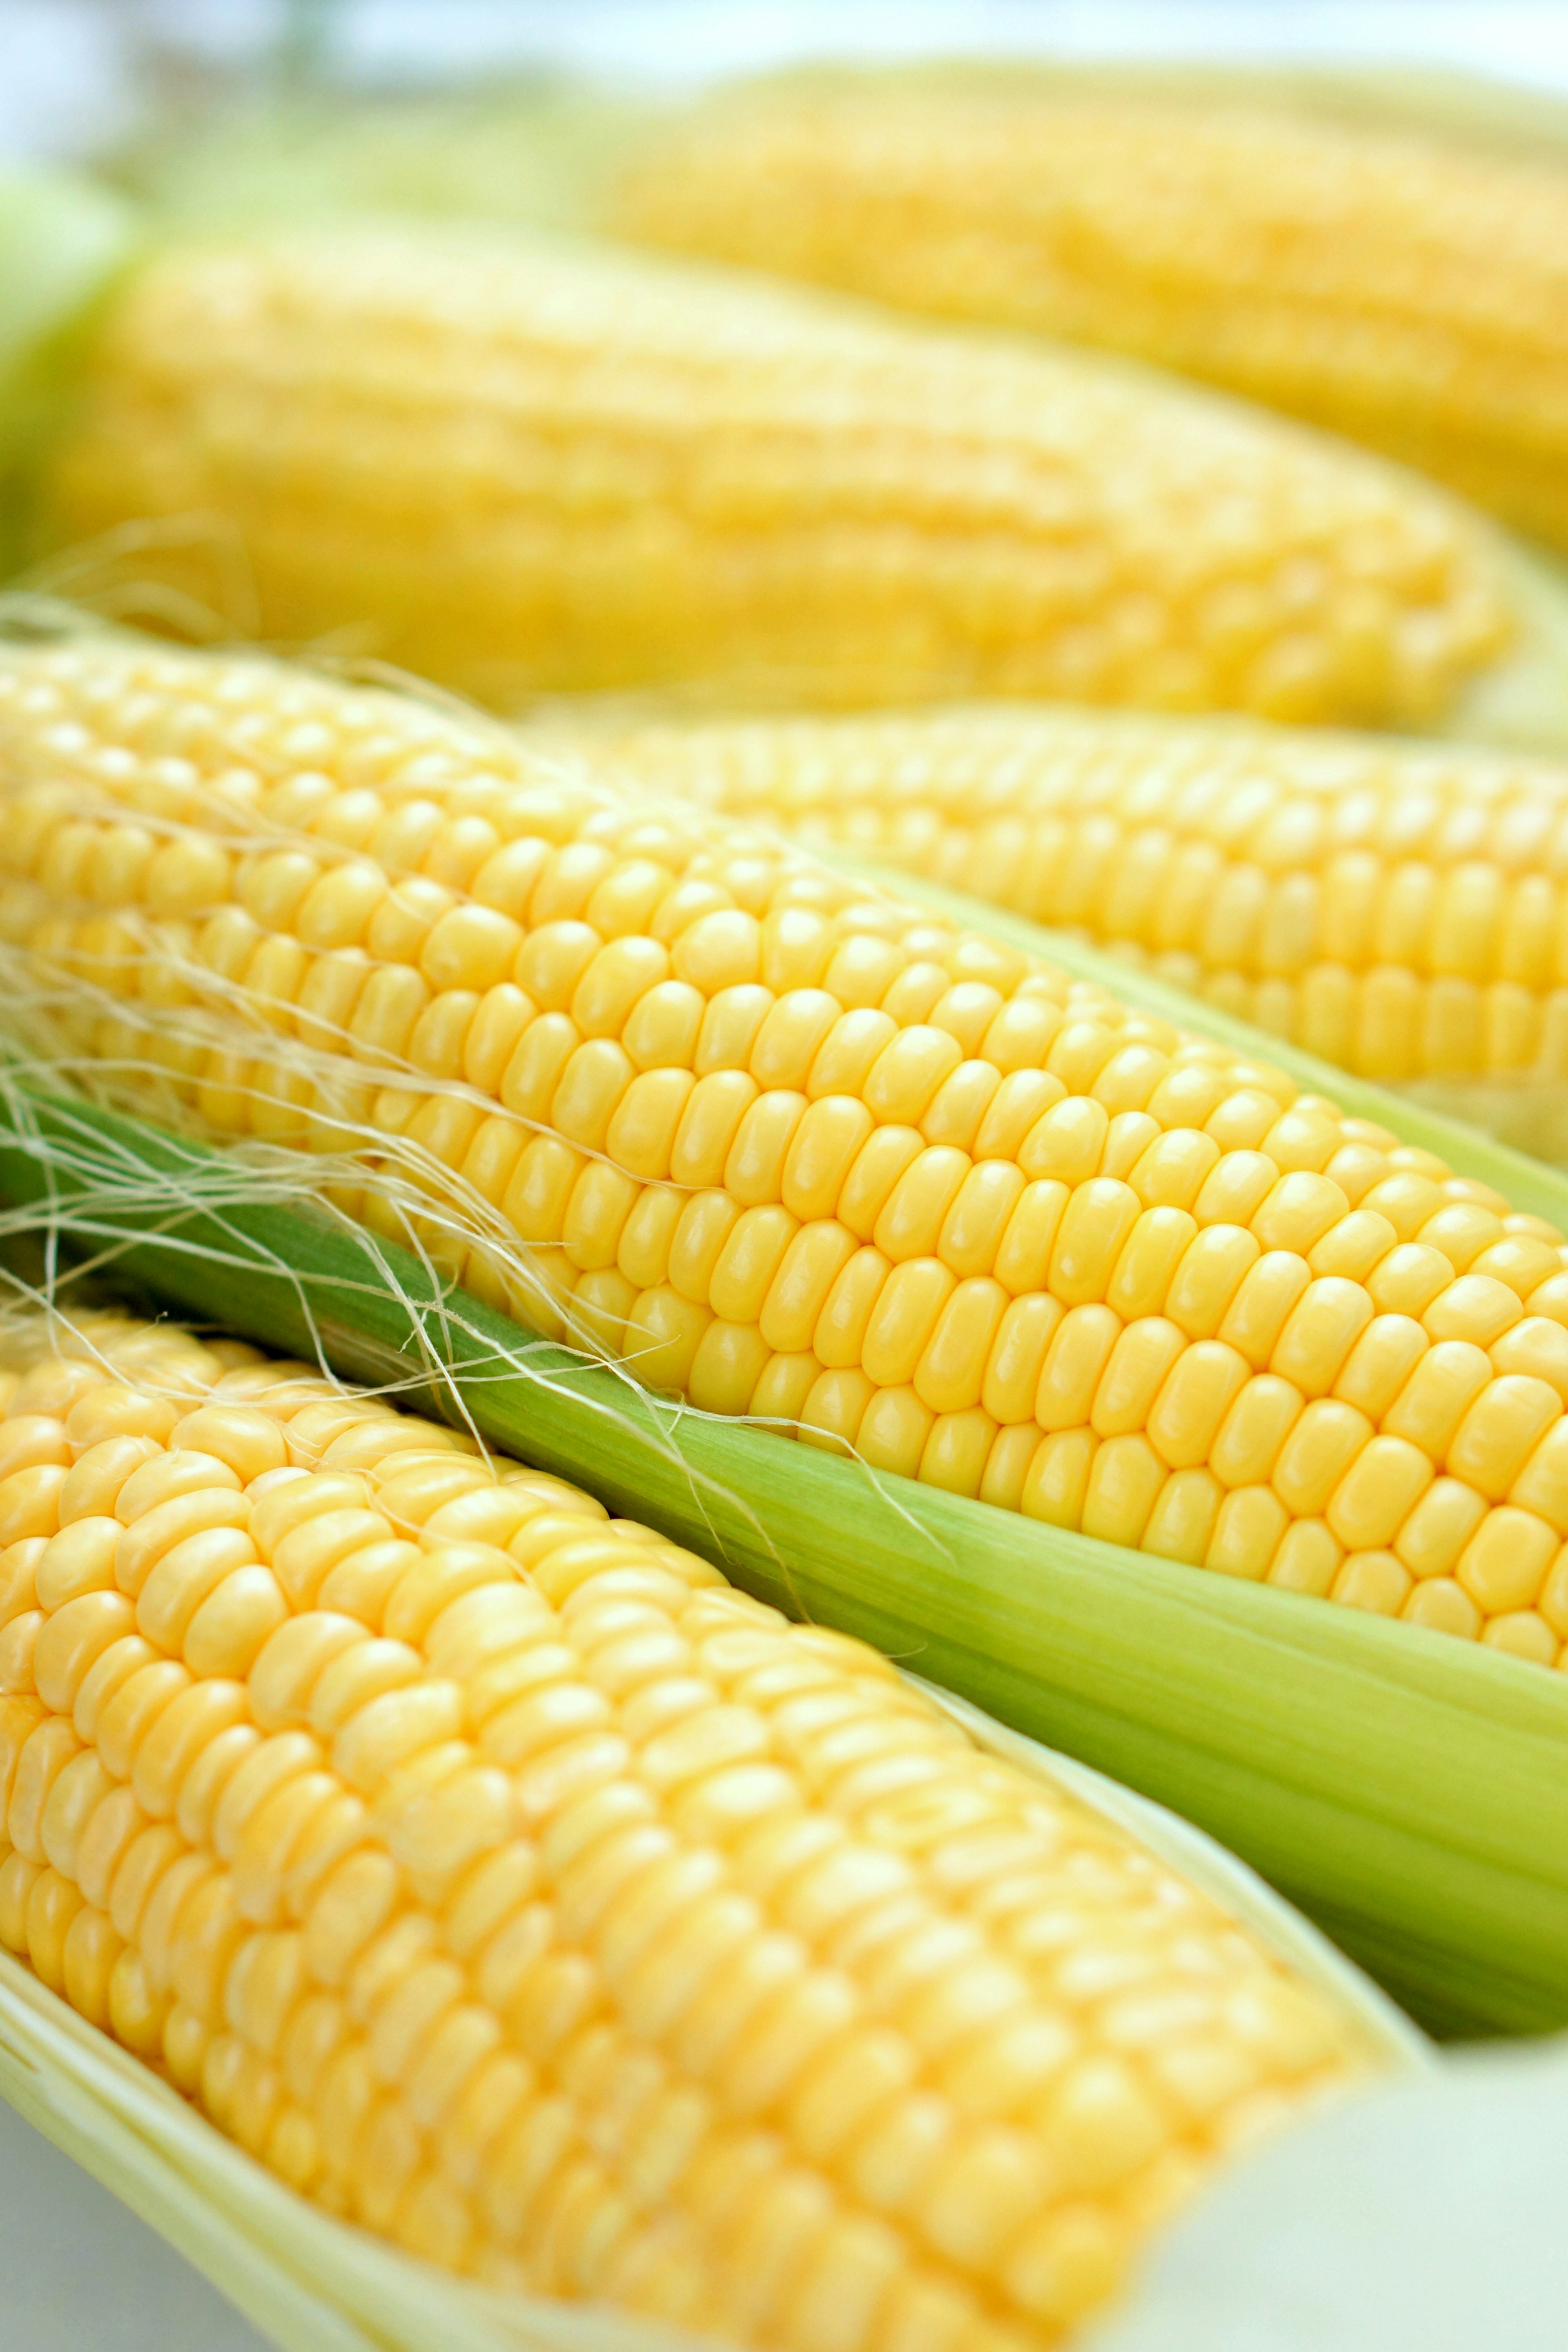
1396 910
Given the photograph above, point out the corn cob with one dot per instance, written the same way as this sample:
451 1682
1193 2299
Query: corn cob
1395 285
515 469
784 1147
1396 909
511 1885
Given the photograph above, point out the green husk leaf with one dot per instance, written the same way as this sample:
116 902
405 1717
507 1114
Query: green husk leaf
1402 1787
60 241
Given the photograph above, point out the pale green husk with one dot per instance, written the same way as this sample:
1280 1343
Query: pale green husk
313 2284
61 242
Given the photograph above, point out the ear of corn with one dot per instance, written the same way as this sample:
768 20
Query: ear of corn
515 466
509 1886
785 1147
1396 909
1398 286
1051 1630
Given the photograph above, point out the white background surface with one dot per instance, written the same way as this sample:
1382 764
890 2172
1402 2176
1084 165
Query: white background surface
79 2272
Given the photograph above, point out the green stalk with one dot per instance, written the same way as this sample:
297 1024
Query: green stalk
1402 1787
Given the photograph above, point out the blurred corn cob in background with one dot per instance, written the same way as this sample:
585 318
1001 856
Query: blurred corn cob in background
783 1146
513 467
509 1886
1404 287
1398 909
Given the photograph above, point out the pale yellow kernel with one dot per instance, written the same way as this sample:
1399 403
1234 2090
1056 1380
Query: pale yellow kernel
1501 1431
1444 1606
1268 1294
1154 1247
1017 1355
1536 1347
1254 1431
1067 1142
615 980
1248 1532
1028 1238
1181 1524
1522 1260
903 1322
1298 1211
721 949
833 1409
1374 1581
1503 1566
1126 1480
979 1215
662 1027
1192 1406
893 1430
959 1452
1208 1277
748 1262
913 1215
792 1034
1461 1230
1475 1308
951 1373
1308 1559
1317 1454
1074 1362
1057 1477
1320 1333
1521 1634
